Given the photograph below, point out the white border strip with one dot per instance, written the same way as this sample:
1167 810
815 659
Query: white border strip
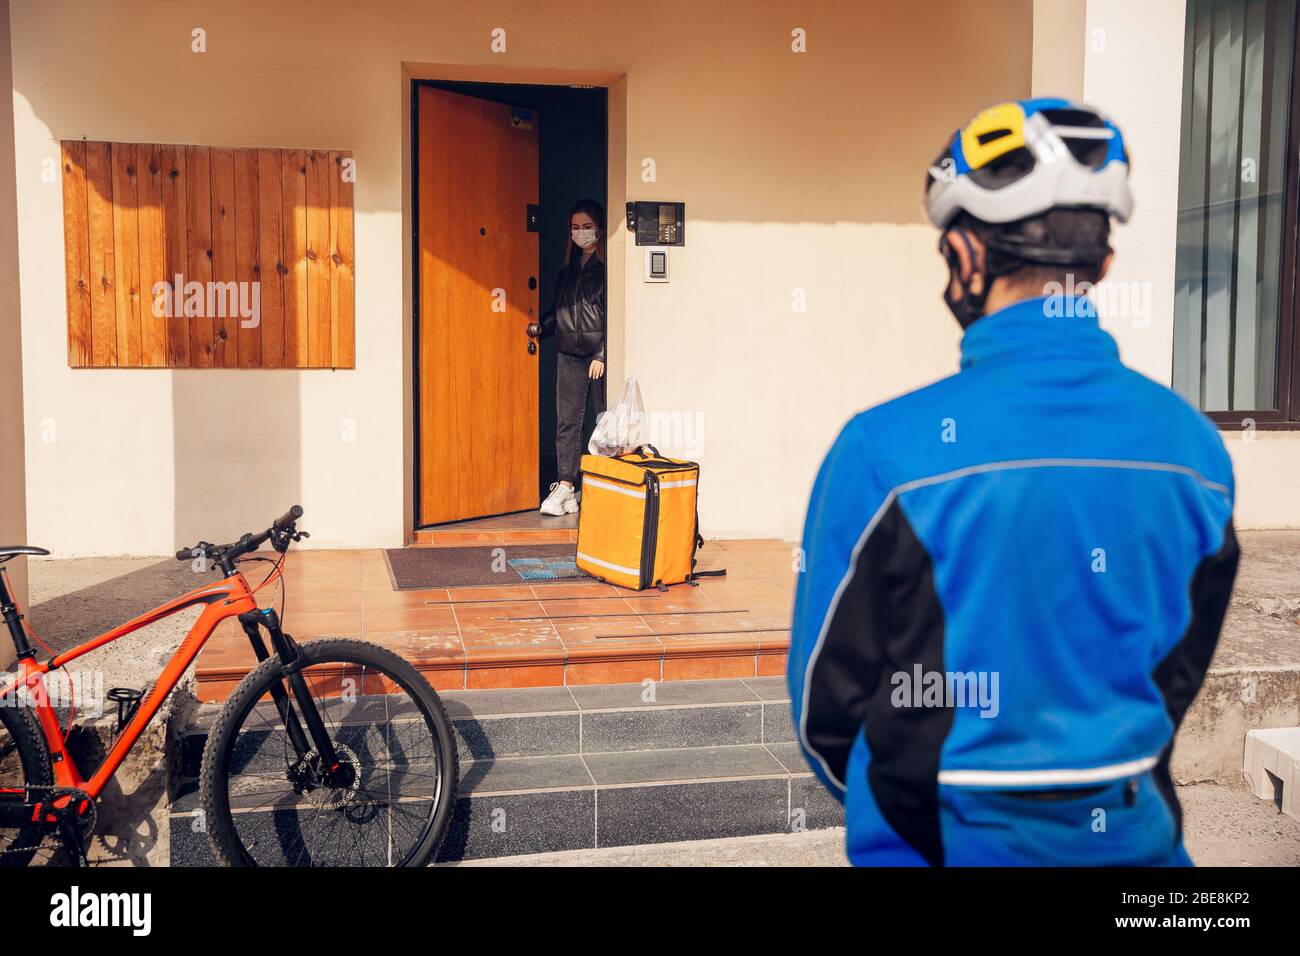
597 483
1033 778
677 484
937 480
607 564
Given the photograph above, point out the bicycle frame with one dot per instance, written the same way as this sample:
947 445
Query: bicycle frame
226 598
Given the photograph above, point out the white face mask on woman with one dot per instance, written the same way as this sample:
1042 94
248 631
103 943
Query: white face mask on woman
583 238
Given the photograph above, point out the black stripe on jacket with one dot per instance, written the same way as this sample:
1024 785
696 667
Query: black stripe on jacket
887 620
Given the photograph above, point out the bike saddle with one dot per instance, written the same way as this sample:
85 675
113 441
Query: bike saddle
8 551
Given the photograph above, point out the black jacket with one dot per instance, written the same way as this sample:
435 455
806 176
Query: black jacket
577 315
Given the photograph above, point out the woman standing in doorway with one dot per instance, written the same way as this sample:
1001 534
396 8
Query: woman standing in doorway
577 320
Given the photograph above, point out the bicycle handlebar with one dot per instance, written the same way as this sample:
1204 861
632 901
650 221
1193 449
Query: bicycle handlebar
225 554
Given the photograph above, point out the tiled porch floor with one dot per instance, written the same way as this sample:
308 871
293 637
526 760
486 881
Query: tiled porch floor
529 636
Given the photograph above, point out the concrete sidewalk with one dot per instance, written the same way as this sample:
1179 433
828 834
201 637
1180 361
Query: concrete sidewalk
1226 826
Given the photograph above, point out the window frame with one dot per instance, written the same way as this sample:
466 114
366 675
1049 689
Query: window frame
1286 417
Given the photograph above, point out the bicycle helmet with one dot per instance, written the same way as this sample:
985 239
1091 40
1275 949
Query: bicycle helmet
1020 175
1022 158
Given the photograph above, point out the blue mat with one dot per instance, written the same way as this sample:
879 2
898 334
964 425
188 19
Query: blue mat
545 569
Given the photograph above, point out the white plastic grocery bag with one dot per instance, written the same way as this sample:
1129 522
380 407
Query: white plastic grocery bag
621 429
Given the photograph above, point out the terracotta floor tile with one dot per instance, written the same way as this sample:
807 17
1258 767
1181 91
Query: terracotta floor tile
523 633
585 606
771 664
772 641
688 600
314 557
709 644
444 678
227 655
692 623
376 581
560 536
227 630
606 671
498 615
755 544
708 668
589 629
736 570
422 646
420 597
507 592
402 618
315 602
577 589
514 675
215 690
502 648
324 624
452 539
331 582
764 562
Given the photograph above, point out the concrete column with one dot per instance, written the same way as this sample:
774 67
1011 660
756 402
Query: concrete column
13 478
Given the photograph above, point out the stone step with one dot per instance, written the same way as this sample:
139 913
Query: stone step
516 805
543 721
560 768
1272 767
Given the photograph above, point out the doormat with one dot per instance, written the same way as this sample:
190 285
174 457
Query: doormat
481 566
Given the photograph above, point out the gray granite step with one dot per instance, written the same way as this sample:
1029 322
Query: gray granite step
594 719
617 765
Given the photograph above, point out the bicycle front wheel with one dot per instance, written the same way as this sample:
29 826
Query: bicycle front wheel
268 800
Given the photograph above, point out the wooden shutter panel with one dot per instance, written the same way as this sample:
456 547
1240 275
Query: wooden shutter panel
240 227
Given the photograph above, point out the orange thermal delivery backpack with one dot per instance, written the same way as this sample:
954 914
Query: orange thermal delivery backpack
637 523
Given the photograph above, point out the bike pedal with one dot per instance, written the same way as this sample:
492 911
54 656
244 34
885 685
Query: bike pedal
127 700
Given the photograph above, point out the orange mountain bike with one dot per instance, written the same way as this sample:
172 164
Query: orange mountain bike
328 753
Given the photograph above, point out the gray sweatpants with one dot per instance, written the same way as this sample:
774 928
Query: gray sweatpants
571 388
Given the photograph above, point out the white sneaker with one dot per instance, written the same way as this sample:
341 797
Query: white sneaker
560 501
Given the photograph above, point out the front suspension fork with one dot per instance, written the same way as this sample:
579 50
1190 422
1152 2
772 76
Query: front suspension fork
291 668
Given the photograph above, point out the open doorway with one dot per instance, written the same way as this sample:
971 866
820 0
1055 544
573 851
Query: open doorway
497 167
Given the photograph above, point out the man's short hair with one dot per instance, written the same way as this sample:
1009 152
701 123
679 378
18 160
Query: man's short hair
1058 228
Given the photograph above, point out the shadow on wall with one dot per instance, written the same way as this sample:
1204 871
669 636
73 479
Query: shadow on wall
238 450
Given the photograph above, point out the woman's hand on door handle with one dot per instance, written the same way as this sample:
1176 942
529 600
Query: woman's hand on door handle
596 369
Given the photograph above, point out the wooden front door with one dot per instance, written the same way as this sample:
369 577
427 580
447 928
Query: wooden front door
477 173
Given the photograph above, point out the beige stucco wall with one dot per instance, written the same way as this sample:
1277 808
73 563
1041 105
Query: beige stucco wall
800 171
13 505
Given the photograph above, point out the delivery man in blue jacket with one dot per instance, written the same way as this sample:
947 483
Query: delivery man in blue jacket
1016 576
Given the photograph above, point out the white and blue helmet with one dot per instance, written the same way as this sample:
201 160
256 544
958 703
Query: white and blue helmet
1022 158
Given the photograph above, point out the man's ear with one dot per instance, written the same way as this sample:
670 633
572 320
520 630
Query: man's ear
1105 265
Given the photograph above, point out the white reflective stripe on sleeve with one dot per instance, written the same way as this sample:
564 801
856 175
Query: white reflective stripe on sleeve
1037 778
607 564
590 482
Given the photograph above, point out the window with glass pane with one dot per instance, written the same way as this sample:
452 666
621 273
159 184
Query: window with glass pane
1228 303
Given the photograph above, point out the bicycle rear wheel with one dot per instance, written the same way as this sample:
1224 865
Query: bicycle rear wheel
24 762
267 804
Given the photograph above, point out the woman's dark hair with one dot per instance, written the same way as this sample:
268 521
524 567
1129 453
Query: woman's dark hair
596 211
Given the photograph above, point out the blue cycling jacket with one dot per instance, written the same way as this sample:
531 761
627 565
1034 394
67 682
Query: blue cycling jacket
1015 579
